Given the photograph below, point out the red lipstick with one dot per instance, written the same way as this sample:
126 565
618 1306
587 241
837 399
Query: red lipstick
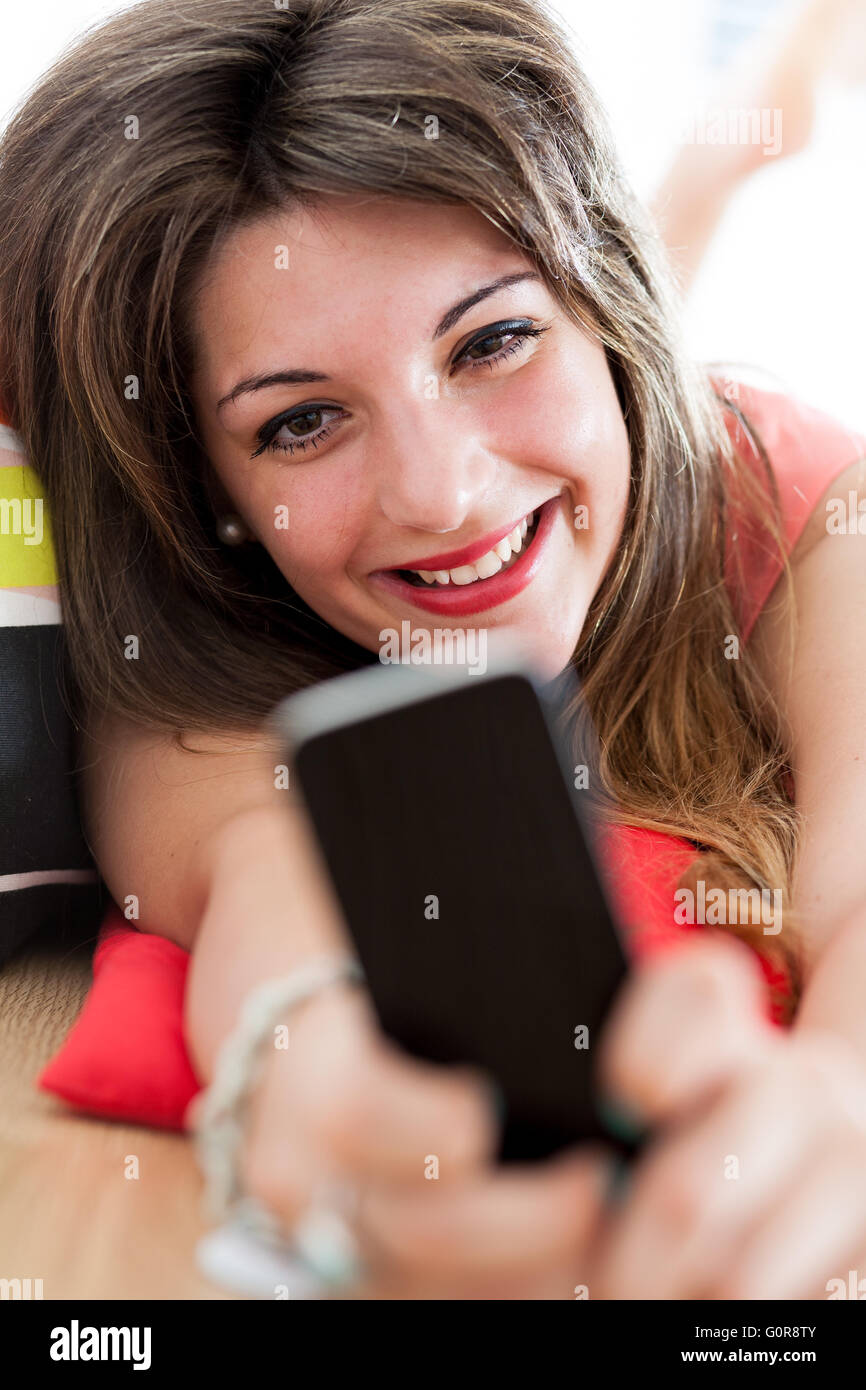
461 600
451 559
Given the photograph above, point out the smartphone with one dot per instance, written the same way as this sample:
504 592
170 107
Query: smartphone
451 820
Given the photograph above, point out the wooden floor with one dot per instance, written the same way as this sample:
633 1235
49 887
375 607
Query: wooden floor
68 1214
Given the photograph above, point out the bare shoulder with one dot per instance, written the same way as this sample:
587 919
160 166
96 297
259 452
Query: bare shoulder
828 572
838 511
110 742
153 807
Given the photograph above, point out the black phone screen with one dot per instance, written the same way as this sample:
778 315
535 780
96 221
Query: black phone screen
453 835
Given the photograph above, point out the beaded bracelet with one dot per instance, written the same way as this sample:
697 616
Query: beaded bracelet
220 1123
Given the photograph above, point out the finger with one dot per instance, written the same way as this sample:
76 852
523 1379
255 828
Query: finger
373 1111
698 1191
282 1175
804 1243
510 1223
683 1024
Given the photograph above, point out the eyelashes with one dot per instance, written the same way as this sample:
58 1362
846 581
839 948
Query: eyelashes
271 444
519 330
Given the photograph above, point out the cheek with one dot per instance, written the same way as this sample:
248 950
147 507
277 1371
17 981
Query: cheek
309 520
567 421
607 465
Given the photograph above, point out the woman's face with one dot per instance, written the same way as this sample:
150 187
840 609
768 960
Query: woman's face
386 392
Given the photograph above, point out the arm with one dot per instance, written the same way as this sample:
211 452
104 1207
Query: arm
820 680
226 866
689 1053
268 907
169 826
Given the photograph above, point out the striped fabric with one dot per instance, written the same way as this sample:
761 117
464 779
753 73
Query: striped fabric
47 876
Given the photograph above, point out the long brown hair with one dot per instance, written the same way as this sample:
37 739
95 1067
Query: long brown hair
174 122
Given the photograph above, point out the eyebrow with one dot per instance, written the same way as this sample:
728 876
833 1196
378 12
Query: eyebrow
301 376
448 320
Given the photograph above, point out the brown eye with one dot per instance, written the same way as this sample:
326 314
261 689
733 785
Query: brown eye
499 342
299 430
307 423
491 338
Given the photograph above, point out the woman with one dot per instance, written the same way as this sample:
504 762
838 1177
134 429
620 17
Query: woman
296 299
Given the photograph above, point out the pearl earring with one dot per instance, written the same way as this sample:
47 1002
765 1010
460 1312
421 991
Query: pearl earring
231 530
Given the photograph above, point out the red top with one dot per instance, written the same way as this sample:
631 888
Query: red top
126 1056
807 449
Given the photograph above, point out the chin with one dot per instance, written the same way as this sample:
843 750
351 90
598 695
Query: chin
552 663
548 656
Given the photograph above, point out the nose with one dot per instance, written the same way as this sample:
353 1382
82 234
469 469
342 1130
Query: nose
432 468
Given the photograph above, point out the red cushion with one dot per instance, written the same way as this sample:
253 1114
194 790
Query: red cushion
125 1055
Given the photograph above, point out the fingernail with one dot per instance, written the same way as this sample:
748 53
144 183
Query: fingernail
618 1180
623 1121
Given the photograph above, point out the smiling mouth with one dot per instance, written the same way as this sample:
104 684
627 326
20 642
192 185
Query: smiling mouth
497 560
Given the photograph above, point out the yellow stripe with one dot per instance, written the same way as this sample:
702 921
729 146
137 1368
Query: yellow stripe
26 550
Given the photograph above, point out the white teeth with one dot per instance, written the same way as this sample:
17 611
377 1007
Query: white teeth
464 574
487 565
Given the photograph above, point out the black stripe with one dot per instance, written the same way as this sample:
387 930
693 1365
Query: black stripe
40 826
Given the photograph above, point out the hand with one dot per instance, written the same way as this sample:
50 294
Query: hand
755 1185
341 1100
